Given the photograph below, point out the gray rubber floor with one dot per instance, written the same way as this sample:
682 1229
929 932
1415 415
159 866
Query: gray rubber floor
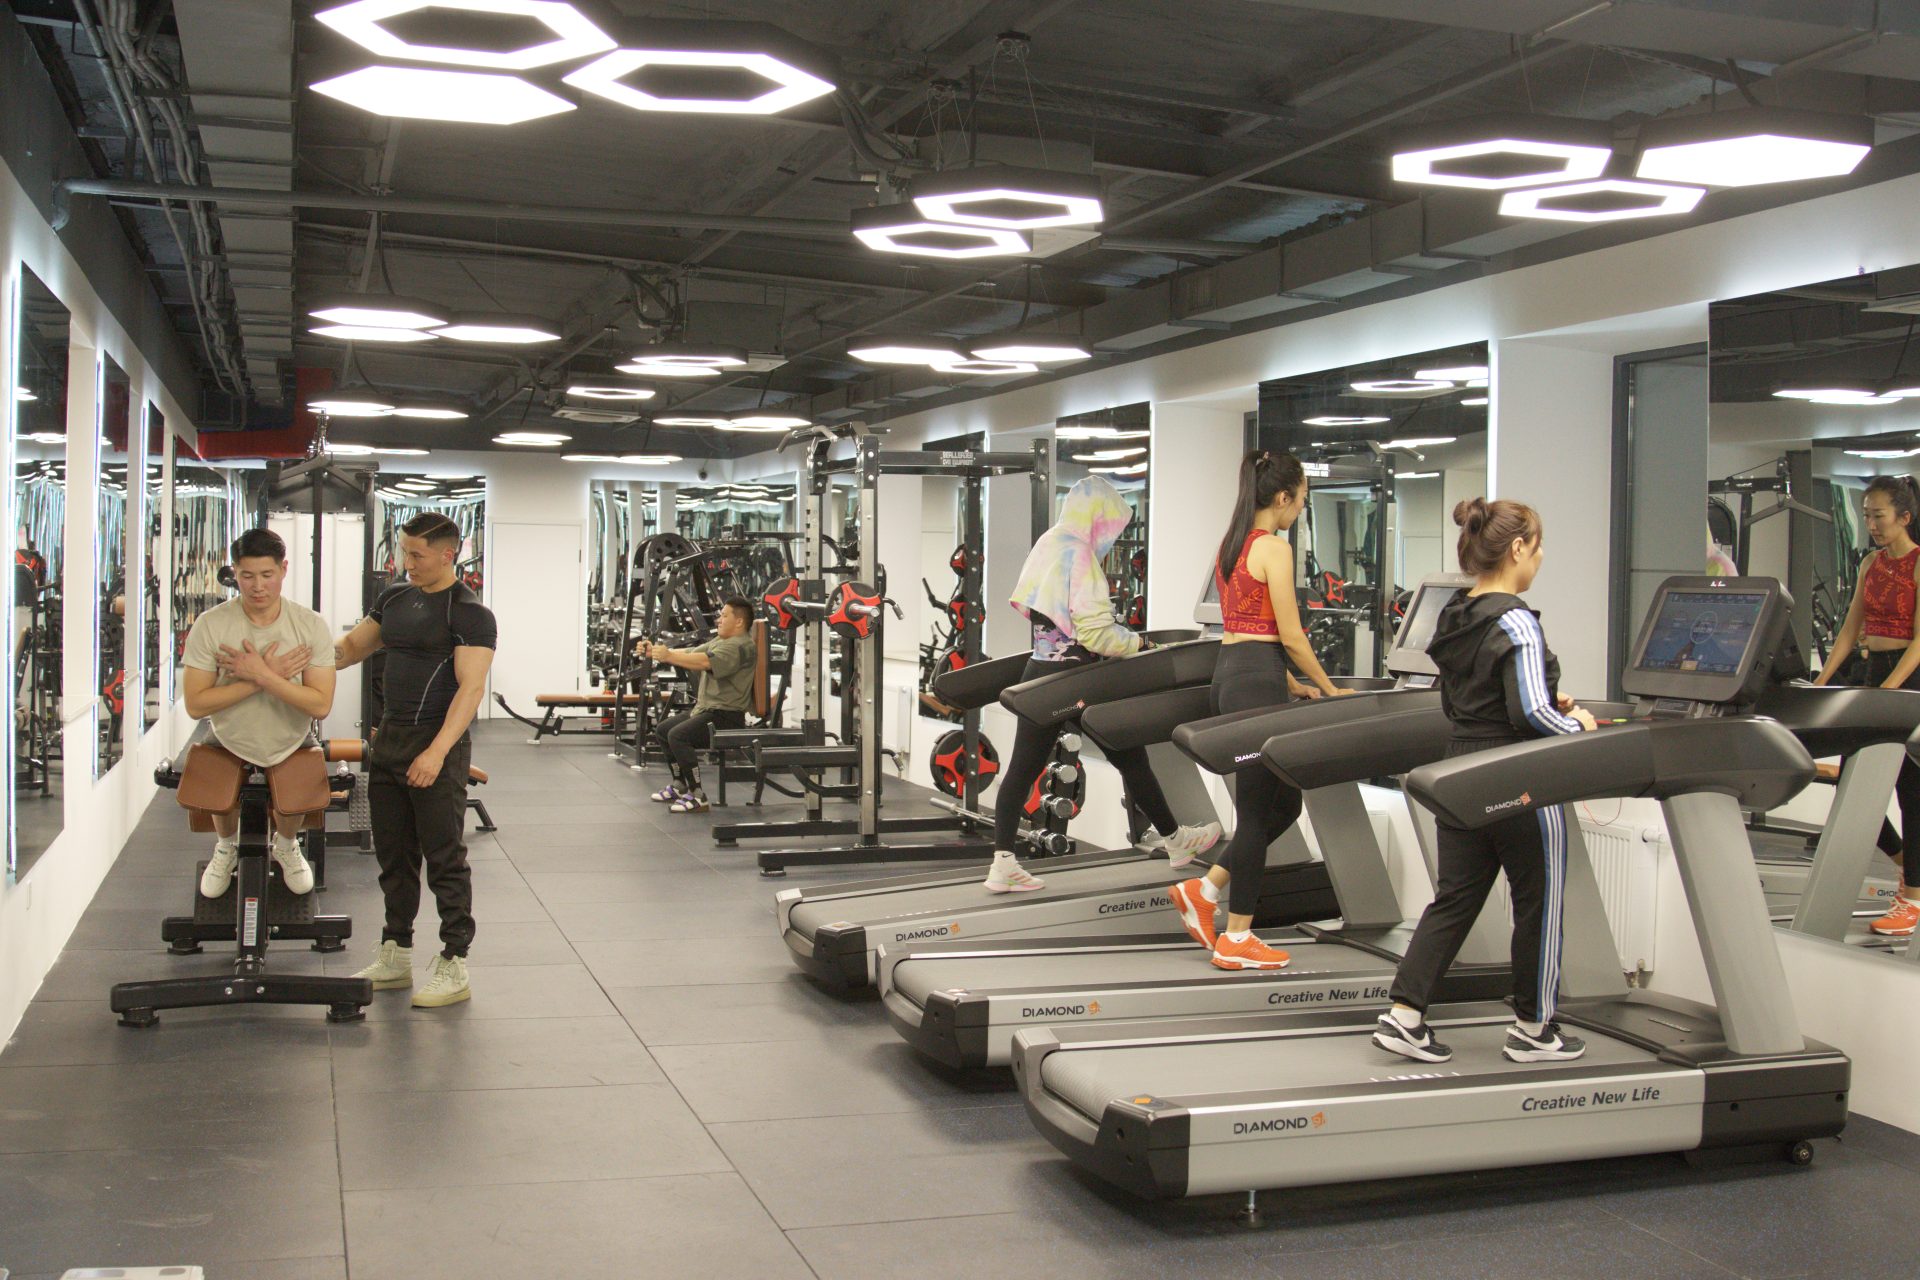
643 1086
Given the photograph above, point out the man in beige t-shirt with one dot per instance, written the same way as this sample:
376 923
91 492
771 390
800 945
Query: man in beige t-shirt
261 669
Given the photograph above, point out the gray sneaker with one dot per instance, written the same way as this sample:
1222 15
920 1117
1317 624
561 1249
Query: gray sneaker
448 985
392 967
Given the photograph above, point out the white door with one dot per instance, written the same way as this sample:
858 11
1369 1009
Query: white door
536 588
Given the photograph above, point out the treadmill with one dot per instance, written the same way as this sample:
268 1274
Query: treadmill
1242 1104
833 931
960 1002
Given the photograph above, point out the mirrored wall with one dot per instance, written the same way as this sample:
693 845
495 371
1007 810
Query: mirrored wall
152 693
462 499
39 426
1114 443
206 520
1390 447
116 609
712 511
613 533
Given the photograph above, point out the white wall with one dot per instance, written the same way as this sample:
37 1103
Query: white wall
1193 477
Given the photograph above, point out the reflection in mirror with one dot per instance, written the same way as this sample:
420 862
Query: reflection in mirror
610 510
151 693
462 499
39 517
115 607
1390 447
206 520
741 520
1113 443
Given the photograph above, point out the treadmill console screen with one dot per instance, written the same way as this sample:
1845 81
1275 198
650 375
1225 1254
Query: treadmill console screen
1709 641
1409 653
1207 611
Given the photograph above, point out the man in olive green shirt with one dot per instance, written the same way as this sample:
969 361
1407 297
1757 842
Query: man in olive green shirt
726 666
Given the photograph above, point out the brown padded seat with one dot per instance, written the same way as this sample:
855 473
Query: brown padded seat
577 699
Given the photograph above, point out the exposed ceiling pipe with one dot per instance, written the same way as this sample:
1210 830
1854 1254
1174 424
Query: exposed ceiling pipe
824 228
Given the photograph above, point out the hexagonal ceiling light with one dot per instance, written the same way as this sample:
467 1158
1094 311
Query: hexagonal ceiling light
898 228
574 35
1607 200
1009 198
465 97
1748 147
1500 154
715 68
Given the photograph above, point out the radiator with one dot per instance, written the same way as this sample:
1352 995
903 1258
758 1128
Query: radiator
1626 863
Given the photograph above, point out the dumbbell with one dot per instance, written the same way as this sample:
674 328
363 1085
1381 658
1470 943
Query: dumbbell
1058 806
1053 843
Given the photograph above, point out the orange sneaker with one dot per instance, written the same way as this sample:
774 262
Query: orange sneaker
1195 912
1899 922
1251 954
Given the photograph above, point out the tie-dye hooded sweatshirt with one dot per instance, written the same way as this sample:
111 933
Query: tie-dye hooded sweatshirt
1063 590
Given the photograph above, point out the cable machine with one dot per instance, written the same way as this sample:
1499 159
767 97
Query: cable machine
853 609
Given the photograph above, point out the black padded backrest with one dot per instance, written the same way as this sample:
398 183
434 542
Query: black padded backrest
1322 748
1059 698
1150 718
979 683
1234 741
1833 721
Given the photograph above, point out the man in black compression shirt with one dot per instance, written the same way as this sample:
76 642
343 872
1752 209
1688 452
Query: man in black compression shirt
439 640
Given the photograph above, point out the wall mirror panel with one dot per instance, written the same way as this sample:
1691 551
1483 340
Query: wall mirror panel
612 535
115 607
206 520
37 802
1113 443
151 515
462 499
1390 447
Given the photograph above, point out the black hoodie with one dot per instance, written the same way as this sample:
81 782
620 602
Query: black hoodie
1498 680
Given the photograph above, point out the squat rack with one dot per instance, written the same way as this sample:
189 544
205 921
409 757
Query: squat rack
867 464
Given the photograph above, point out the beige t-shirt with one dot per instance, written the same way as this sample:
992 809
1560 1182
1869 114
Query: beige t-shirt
262 730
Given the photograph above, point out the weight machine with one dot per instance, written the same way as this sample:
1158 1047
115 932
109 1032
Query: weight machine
852 608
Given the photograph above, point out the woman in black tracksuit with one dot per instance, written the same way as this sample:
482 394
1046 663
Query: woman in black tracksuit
1499 685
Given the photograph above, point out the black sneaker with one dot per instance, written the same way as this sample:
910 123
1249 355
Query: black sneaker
1548 1046
1418 1045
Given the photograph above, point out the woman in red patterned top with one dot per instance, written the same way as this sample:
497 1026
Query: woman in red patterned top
1253 571
1882 615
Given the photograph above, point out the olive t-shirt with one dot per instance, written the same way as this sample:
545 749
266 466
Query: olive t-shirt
262 730
728 686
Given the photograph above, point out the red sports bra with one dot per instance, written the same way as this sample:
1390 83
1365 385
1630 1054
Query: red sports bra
1887 596
1245 607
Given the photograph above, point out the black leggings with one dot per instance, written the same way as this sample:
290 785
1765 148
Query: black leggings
1907 786
691 731
1032 745
1249 675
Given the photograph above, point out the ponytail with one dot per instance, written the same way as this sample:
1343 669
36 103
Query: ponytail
1488 529
1264 476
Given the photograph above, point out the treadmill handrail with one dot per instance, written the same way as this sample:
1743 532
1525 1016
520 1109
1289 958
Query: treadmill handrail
1756 760
1147 719
1403 734
1837 720
1229 743
1056 699
981 683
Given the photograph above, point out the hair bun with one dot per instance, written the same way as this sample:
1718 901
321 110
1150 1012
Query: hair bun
1471 514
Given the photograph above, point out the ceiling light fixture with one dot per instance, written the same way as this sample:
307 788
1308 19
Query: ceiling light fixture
1034 350
1883 453
766 422
1606 200
1418 442
751 68
1500 154
668 370
1110 455
430 412
899 348
1458 373
898 228
1336 420
533 439
23 395
574 36
986 368
1473 402
380 311
1009 198
1089 431
1135 469
349 450
345 406
508 330
399 453
1748 147
1839 395
649 459
368 333
464 97
588 457
685 355
1393 386
609 391
689 420
45 437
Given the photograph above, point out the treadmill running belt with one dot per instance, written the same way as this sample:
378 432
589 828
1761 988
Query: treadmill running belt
811 914
1093 970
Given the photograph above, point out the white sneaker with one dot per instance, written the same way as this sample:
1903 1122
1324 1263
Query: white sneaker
448 985
1008 876
1188 843
219 873
392 967
295 873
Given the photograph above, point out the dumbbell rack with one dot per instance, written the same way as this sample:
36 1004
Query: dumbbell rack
814 626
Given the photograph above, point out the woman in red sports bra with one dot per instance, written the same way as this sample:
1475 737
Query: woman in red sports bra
1881 615
1253 571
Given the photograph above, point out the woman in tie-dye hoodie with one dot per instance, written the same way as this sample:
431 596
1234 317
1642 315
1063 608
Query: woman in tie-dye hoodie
1063 592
